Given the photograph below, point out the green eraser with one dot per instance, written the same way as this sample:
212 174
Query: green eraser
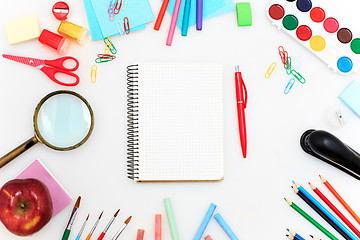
243 12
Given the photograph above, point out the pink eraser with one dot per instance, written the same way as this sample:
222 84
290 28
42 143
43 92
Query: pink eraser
140 234
208 237
157 226
60 198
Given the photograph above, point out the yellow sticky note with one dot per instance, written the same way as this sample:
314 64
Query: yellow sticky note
22 29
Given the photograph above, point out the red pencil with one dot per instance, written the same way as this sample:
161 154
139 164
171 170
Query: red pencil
335 210
340 199
161 14
241 93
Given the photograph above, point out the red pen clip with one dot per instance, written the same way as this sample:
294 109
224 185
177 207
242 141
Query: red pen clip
117 7
241 89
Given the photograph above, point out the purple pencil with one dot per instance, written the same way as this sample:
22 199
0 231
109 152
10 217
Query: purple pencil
199 14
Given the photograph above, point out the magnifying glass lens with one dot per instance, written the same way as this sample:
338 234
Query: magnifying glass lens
63 121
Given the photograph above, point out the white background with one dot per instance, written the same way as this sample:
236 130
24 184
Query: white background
250 198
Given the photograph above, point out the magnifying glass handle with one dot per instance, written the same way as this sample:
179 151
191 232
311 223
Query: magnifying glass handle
17 151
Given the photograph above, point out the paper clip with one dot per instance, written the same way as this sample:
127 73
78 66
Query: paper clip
283 55
298 76
126 25
120 28
106 56
124 5
118 6
289 86
111 12
270 70
110 45
288 66
103 60
93 73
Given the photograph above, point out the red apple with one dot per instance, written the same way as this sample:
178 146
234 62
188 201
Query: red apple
25 206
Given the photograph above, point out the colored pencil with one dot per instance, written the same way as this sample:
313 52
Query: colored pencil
173 23
340 199
335 210
321 213
72 219
161 14
296 236
315 238
94 227
290 237
333 221
310 219
205 222
102 235
122 228
185 24
171 219
82 228
199 14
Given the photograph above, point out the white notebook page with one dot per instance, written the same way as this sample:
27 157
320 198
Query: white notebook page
180 122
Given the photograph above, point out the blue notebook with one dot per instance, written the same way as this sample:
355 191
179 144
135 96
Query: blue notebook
351 97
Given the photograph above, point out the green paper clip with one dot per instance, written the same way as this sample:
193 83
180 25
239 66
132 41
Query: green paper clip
298 76
288 66
110 45
102 60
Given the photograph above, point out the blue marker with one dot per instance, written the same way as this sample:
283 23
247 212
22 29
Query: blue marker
326 212
205 222
185 24
226 227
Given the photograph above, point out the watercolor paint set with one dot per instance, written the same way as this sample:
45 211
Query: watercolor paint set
322 33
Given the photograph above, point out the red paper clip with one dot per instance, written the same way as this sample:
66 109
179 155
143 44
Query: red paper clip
106 56
126 25
283 55
111 12
118 7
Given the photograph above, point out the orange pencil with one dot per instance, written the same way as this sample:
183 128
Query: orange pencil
340 199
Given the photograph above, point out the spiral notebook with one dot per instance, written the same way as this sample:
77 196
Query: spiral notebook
175 122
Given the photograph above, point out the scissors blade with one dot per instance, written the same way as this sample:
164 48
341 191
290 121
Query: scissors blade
25 60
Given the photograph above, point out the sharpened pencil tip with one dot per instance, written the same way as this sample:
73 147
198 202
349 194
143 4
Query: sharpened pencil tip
128 220
77 204
116 213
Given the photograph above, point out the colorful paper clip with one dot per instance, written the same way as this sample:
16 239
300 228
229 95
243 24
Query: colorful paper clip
126 25
111 12
289 86
283 55
93 74
124 5
298 76
270 70
120 28
110 45
288 66
103 60
118 6
106 56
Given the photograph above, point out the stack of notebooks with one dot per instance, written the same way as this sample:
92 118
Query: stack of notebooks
175 122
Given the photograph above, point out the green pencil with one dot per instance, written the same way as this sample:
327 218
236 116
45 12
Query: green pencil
310 219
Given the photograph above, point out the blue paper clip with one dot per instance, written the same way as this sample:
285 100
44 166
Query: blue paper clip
289 86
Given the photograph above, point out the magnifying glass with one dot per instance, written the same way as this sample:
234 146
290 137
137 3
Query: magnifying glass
63 120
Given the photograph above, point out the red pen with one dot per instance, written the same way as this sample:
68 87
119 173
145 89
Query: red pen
241 93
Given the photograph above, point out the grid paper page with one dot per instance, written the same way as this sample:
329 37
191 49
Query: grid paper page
180 122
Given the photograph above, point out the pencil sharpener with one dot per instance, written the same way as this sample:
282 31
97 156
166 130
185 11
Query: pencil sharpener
331 150
61 10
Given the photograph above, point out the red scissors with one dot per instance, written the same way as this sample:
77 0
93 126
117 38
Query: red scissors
57 66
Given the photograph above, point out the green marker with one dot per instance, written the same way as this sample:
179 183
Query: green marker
171 219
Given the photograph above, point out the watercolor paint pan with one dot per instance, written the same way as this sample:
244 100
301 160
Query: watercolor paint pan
318 30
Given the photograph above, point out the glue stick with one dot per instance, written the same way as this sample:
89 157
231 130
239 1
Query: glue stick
54 41
73 32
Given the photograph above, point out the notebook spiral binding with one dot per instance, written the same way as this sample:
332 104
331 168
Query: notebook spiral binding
132 122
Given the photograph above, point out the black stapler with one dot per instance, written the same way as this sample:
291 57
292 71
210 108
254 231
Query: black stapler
330 149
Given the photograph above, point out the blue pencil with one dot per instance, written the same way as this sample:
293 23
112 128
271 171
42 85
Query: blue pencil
296 236
205 222
226 227
326 212
185 25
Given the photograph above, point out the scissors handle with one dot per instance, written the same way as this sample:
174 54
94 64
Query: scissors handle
59 63
51 72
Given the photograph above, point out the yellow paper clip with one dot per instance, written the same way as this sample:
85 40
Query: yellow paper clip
93 73
110 45
270 70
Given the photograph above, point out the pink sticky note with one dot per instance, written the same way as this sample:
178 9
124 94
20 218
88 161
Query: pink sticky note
60 198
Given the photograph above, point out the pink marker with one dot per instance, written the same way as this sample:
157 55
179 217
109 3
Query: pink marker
140 234
173 22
